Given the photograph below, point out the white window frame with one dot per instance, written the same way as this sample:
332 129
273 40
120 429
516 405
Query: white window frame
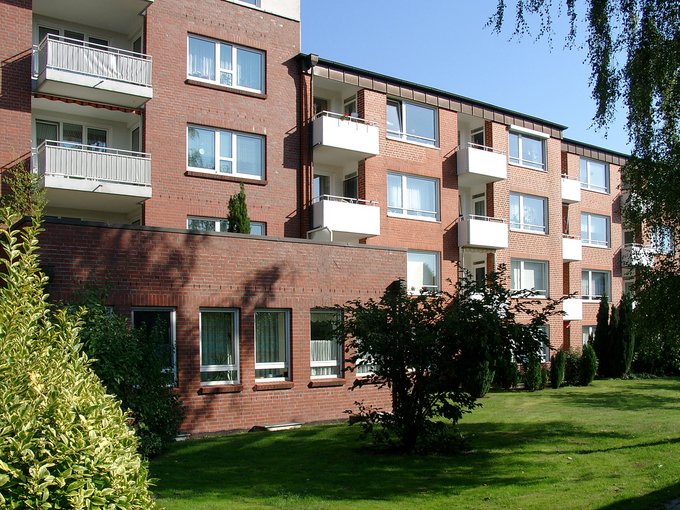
437 276
586 239
413 214
285 365
403 134
364 367
522 226
608 284
235 336
584 177
173 331
234 64
234 153
217 222
540 293
339 348
521 135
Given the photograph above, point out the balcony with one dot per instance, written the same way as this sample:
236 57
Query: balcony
636 255
571 248
571 190
83 70
482 232
573 309
339 139
341 219
478 165
93 178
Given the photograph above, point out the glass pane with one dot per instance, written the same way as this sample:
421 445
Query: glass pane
350 187
583 173
249 154
44 31
217 338
534 216
96 138
135 144
420 122
480 207
249 73
394 194
157 325
201 148
225 166
46 131
226 77
584 228
599 283
393 117
72 134
534 276
201 224
532 152
223 225
97 40
598 175
219 376
225 144
516 275
74 35
515 218
513 140
422 271
201 58
256 228
321 186
421 197
598 230
585 284
270 337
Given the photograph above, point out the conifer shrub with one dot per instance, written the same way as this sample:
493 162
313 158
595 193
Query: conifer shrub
480 381
506 375
571 368
532 374
238 213
587 365
64 442
557 366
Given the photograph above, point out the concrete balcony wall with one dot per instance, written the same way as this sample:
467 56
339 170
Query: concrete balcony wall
636 255
339 140
573 309
571 191
482 232
348 220
480 165
571 249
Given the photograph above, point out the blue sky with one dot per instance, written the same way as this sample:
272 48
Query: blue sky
445 44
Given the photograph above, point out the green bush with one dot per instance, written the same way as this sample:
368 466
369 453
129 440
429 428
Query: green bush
557 366
131 365
545 376
587 365
571 368
506 375
532 374
64 443
480 381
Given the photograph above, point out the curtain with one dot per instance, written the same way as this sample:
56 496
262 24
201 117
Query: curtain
514 211
324 347
421 196
270 334
217 341
394 196
201 58
249 154
226 65
585 284
46 131
249 69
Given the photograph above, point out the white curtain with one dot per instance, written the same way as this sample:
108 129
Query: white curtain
201 58
249 64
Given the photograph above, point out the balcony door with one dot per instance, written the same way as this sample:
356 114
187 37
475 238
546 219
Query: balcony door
479 204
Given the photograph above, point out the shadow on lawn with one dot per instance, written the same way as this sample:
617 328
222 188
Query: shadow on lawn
331 463
626 399
653 500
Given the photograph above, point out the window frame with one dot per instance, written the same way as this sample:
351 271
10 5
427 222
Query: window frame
586 238
235 339
522 226
173 332
608 284
339 350
402 134
586 331
286 364
234 64
405 212
234 153
218 225
519 160
540 293
585 184
437 272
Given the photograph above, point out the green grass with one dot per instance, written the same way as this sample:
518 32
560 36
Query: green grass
613 445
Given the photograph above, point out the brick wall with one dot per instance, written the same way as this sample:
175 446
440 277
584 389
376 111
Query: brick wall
177 103
187 271
15 82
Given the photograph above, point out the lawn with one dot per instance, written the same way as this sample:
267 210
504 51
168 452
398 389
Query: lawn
613 445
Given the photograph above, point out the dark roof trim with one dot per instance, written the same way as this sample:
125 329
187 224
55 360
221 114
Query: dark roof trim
594 152
401 88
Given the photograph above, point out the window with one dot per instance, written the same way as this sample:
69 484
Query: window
326 351
594 284
350 106
225 152
544 352
219 346
222 225
74 37
256 3
530 275
72 136
364 367
479 204
662 239
159 325
587 331
350 186
411 122
477 137
411 196
321 185
225 64
594 229
526 150
528 213
479 272
594 175
272 345
422 271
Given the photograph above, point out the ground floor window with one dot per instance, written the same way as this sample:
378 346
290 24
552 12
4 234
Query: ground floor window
219 346
326 351
272 345
159 325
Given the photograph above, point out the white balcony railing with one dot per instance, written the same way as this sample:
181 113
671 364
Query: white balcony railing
103 164
482 232
572 249
571 190
478 164
634 254
340 139
573 309
348 219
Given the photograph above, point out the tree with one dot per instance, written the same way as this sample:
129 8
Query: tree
602 337
625 345
428 350
238 213
26 196
64 443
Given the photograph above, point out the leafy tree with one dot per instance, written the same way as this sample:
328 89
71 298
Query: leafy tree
64 443
238 213
429 349
557 364
26 196
602 336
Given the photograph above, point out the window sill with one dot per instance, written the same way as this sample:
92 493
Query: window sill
522 231
220 388
229 178
588 245
411 142
326 383
273 386
528 167
601 192
407 217
224 88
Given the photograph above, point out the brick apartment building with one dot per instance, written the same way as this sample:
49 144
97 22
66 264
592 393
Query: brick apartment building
142 118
